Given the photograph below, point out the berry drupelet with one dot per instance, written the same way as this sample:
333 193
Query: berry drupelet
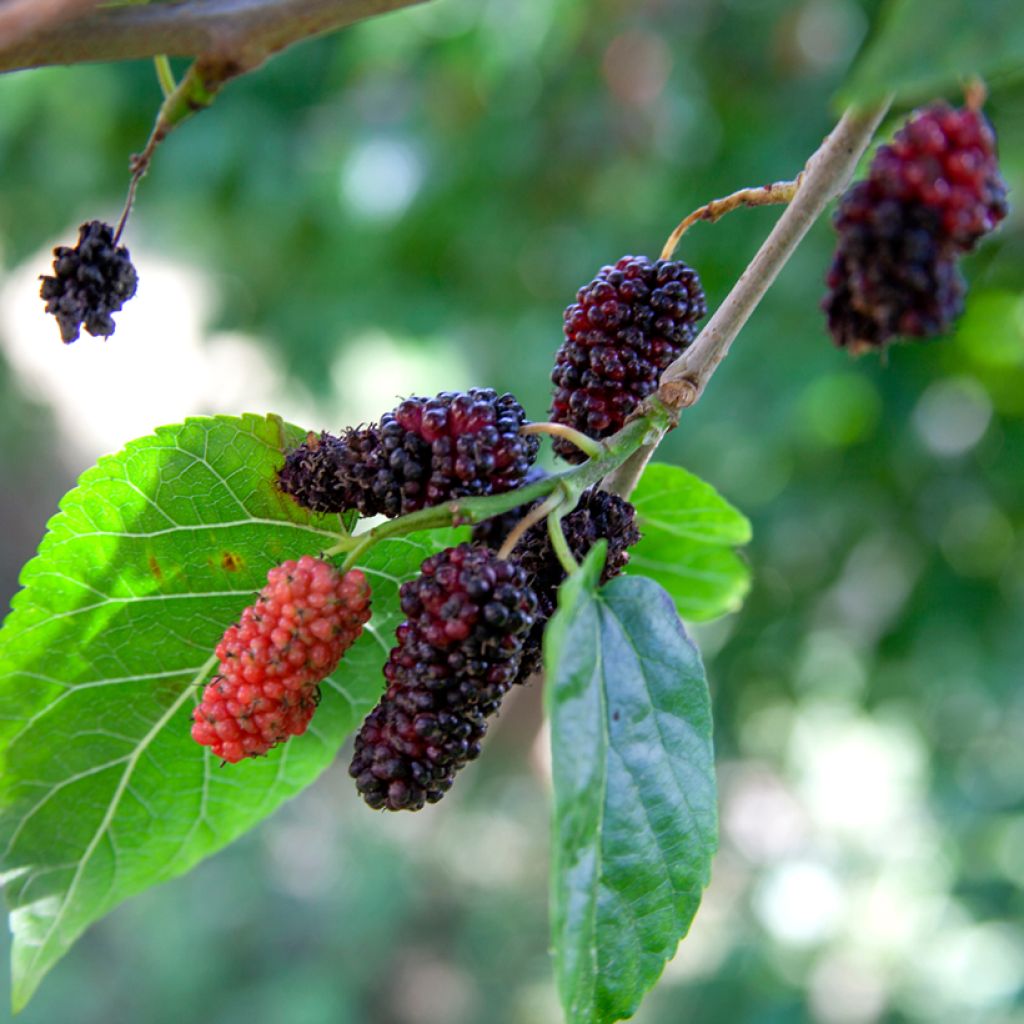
929 196
624 329
273 660
91 281
459 649
425 452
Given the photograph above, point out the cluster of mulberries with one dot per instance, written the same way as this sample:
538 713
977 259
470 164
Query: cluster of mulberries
598 516
273 660
91 281
929 196
467 617
427 451
623 330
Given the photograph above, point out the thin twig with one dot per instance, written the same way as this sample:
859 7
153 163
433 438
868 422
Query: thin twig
763 195
825 175
249 30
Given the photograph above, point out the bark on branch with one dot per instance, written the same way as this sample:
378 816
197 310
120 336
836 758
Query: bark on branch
242 31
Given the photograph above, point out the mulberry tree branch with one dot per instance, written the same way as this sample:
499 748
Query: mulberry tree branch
20 19
826 174
241 32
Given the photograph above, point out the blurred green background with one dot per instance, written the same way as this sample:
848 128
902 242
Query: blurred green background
408 206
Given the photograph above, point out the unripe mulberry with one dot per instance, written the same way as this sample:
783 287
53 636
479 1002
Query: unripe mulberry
92 281
624 329
273 660
425 452
459 650
928 197
599 516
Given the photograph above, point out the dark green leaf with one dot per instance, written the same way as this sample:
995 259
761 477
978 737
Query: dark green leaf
156 551
923 48
635 820
689 531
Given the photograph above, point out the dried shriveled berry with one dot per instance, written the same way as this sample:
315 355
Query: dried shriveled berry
623 330
459 650
91 281
273 660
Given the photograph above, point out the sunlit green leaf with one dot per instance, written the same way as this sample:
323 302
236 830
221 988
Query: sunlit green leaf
103 792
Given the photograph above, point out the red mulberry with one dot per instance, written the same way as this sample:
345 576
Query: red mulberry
273 660
624 329
459 649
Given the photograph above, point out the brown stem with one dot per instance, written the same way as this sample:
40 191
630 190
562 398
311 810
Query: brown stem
247 31
20 19
763 195
825 175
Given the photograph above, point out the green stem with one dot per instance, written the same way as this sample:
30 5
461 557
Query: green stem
164 74
559 543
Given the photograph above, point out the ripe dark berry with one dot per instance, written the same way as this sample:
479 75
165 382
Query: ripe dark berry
891 275
945 160
928 197
273 660
92 281
623 330
598 516
427 451
459 649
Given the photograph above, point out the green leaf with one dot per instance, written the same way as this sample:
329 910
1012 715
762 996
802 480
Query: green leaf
689 531
922 48
635 820
103 792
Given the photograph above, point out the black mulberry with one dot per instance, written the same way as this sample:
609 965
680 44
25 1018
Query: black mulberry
599 515
467 616
624 329
93 280
425 452
928 197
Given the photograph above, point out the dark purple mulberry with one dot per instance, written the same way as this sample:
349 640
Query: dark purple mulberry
598 516
427 451
624 329
928 197
92 281
891 275
946 161
459 650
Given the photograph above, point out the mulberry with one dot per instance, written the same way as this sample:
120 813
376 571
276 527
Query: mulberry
459 649
92 281
891 275
929 196
273 660
598 516
624 329
427 451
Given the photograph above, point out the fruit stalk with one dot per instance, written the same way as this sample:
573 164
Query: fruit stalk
826 174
